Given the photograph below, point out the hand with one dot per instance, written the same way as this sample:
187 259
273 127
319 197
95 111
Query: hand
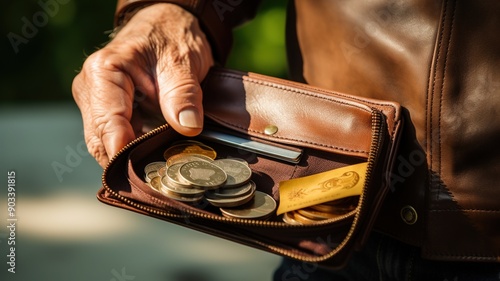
151 69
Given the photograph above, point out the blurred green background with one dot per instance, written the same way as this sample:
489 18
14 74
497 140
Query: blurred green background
41 68
63 232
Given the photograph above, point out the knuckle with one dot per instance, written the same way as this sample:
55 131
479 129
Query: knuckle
103 59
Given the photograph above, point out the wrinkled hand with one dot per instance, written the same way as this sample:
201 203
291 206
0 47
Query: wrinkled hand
151 69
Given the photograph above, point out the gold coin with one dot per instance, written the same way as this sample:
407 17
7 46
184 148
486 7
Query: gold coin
303 219
316 215
190 148
155 184
187 141
332 210
187 157
289 218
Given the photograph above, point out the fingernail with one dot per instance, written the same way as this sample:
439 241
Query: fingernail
190 118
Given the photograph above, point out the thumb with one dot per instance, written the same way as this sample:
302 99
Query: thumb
180 98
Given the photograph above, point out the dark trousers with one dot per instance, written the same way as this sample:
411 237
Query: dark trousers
384 258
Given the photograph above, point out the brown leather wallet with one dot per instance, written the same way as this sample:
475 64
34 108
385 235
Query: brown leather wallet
330 129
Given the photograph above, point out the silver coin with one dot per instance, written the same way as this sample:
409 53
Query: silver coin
151 175
152 167
162 171
180 190
237 172
185 199
238 159
202 174
232 202
261 207
223 192
174 178
187 157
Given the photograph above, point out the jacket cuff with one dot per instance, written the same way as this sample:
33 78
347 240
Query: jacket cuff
217 18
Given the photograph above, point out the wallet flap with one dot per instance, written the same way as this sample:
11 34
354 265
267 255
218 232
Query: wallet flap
293 113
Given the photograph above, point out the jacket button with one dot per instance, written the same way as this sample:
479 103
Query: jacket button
409 215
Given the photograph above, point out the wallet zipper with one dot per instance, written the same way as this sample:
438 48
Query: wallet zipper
377 138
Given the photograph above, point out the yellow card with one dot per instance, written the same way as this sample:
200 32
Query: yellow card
320 188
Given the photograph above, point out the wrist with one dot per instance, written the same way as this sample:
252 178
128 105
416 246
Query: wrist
218 29
153 9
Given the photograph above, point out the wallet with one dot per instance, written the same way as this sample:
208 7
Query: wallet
324 130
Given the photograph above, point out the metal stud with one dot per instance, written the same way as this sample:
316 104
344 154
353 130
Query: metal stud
270 130
409 215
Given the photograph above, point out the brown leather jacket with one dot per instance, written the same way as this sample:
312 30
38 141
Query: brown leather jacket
441 60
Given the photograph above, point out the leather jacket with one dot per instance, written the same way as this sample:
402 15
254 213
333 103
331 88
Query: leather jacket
440 59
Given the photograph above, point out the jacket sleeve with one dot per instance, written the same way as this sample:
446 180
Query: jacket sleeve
217 18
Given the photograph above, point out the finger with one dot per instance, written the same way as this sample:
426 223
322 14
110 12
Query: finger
181 100
94 144
104 94
115 133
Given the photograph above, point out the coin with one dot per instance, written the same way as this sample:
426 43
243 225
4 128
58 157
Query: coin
316 215
289 218
187 141
155 184
187 157
162 171
237 172
189 147
202 174
179 190
231 202
303 219
185 199
261 207
152 167
338 207
233 192
238 159
174 178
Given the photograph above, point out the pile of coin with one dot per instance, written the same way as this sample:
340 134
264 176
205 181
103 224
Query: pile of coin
191 173
320 212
